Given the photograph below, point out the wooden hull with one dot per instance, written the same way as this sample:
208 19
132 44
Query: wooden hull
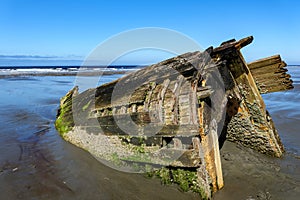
174 114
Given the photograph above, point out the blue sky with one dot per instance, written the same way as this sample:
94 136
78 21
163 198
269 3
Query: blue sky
71 29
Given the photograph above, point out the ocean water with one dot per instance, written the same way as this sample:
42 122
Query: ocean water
35 163
285 111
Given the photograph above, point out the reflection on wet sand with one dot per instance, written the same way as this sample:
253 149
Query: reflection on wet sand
249 175
30 170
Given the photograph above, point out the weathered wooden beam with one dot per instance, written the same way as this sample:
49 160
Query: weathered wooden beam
265 62
210 146
270 74
233 44
184 159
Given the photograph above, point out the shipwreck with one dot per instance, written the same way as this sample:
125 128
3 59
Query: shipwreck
170 119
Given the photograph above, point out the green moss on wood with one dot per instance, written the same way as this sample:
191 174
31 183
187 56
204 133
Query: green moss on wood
62 127
185 178
64 120
86 106
115 159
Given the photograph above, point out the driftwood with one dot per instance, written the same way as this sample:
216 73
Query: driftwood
177 113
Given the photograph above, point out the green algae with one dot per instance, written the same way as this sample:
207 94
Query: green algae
64 119
187 179
86 106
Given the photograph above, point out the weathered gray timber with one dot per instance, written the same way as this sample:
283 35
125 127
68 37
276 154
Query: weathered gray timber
172 117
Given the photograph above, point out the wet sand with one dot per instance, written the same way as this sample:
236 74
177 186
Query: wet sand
250 175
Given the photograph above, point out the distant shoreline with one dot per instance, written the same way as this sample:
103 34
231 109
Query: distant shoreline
6 72
72 66
77 73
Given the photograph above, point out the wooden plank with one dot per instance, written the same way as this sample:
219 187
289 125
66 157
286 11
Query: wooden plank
264 62
183 159
270 74
233 44
111 128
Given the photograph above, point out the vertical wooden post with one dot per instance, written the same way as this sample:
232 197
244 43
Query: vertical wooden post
210 146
